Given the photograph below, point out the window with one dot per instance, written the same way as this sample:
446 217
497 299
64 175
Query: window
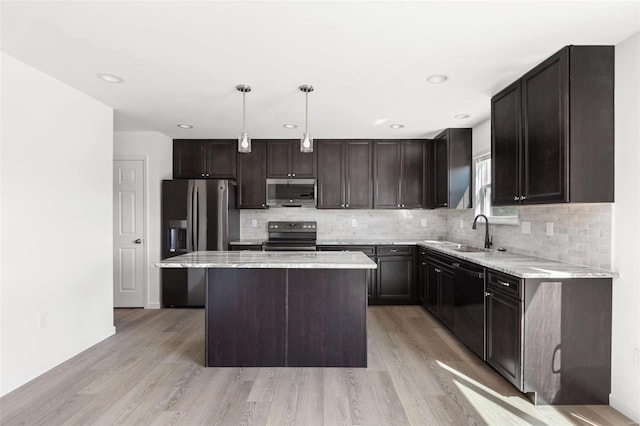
497 214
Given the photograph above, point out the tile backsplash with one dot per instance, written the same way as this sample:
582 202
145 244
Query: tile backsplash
338 224
581 232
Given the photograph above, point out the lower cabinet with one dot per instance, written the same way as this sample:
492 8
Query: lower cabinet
392 282
440 288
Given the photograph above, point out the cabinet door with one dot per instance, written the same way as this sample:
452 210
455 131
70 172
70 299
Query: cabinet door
357 168
504 350
545 128
422 278
441 172
395 278
279 159
505 146
447 297
252 172
303 164
330 175
188 160
432 292
412 174
220 159
386 174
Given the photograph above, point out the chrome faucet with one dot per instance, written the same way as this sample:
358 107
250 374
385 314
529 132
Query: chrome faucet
488 242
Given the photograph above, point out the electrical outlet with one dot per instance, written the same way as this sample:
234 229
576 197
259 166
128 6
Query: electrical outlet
636 357
550 229
526 227
354 223
423 223
461 224
43 320
254 223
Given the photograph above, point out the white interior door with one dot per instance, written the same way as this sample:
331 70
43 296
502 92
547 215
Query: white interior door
128 234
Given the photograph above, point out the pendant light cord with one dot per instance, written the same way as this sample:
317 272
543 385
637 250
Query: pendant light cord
244 113
306 113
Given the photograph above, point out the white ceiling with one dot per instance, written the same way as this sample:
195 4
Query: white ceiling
368 61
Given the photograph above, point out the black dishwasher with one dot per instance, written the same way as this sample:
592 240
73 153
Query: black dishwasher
468 305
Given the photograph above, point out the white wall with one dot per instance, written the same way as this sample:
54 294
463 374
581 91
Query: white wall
56 223
625 378
157 150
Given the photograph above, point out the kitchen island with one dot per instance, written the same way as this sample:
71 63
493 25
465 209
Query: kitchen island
295 309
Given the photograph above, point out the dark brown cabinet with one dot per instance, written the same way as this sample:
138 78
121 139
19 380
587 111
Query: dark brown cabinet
344 174
551 338
370 251
204 158
398 171
440 290
552 131
451 169
421 282
284 160
252 175
395 281
245 247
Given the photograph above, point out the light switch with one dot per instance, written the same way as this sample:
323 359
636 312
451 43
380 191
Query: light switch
423 223
254 223
354 223
526 227
550 229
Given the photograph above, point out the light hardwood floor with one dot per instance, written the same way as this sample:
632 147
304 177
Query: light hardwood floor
151 372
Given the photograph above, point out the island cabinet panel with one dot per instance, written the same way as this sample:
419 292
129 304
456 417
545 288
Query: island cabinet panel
252 175
327 318
245 317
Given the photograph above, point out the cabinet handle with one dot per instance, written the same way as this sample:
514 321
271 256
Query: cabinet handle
438 270
346 205
423 263
403 205
505 284
522 197
393 250
457 265
208 175
288 174
445 204
516 198
342 205
202 174
487 294
293 174
263 205
398 205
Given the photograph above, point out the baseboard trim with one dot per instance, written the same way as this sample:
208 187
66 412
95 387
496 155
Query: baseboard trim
625 409
153 306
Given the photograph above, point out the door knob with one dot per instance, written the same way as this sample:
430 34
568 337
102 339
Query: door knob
138 241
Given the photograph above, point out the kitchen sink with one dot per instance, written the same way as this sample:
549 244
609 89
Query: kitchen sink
467 249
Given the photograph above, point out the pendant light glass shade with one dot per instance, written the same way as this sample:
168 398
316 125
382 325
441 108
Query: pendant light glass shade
306 141
244 141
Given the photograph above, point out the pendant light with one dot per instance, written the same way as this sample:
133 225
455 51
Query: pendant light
244 141
306 141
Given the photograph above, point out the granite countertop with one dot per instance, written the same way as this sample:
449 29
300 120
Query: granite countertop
519 265
269 259
372 242
246 242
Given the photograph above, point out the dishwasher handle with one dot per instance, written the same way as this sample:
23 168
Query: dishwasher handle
474 274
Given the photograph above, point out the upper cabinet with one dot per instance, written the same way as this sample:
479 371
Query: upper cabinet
344 174
451 169
284 160
252 175
552 131
399 174
203 158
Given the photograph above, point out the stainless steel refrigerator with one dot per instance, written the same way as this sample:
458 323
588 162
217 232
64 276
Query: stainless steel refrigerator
197 215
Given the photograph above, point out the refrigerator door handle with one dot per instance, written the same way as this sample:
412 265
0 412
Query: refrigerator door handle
222 213
190 196
196 219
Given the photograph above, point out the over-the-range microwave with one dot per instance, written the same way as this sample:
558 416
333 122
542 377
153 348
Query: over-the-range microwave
291 192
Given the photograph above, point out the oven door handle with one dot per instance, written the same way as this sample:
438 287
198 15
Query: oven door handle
272 248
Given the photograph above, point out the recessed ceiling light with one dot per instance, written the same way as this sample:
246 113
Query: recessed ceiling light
289 126
397 126
185 126
461 116
111 78
437 78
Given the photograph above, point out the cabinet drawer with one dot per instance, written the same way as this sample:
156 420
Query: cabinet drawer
395 250
368 250
504 283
